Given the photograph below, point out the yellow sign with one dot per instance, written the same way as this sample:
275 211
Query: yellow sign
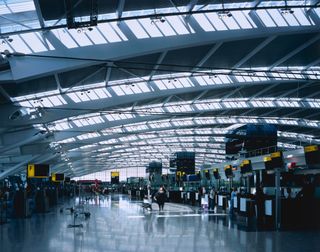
310 148
115 174
276 154
227 167
246 161
30 171
55 179
267 159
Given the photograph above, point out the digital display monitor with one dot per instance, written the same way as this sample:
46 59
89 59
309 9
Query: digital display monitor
267 163
59 177
185 162
228 171
38 171
312 155
277 159
198 174
115 177
216 174
245 166
207 174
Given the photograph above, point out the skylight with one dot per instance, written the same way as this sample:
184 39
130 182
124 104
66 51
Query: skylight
91 119
88 135
44 99
23 6
60 125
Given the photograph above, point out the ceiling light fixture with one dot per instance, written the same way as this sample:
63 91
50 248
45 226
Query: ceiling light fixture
156 19
286 10
224 13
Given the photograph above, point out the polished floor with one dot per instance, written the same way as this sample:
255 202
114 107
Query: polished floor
120 224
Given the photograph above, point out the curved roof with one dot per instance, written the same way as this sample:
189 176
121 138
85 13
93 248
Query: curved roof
152 78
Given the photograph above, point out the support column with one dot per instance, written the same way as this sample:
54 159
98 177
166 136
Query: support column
277 199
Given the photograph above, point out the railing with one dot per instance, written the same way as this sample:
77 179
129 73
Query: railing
267 150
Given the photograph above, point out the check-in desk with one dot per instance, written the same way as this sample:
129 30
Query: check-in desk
246 206
235 203
176 196
222 200
269 211
190 198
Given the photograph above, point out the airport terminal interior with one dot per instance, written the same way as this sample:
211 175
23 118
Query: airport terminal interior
159 125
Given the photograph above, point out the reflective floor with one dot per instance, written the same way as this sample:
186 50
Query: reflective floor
120 224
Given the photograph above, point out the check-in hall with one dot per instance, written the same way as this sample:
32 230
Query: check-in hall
148 125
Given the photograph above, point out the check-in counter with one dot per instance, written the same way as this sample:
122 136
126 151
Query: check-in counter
190 198
235 204
222 201
175 196
246 206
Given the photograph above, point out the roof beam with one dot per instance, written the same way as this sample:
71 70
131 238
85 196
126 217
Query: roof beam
108 74
5 94
134 17
120 8
313 63
39 14
254 51
262 91
256 3
207 56
191 5
295 51
56 77
158 63
296 90
199 96
14 21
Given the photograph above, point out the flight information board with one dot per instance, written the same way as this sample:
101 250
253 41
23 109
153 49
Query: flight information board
115 177
185 162
312 155
38 171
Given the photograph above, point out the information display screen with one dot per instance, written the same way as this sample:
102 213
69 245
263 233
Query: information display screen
185 162
276 159
216 174
115 177
246 166
59 177
228 171
312 155
38 171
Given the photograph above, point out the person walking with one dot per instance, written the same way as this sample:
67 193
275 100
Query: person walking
212 195
160 198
